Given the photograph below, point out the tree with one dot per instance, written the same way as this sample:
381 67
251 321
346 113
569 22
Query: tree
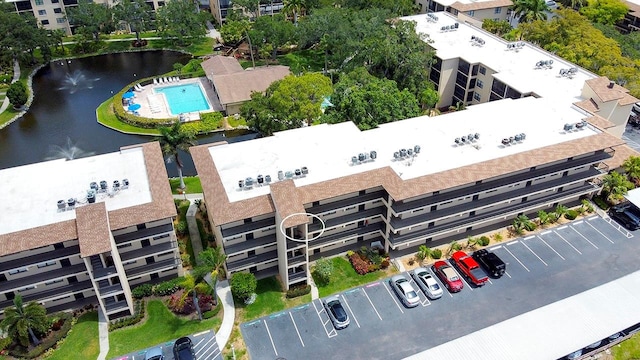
192 287
396 8
233 31
560 211
294 7
271 33
428 98
210 261
614 186
172 140
322 271
20 36
17 94
22 322
178 22
632 167
135 13
243 285
530 10
248 6
423 252
91 18
498 27
606 12
543 217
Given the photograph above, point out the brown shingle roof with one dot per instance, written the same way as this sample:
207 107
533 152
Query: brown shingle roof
221 65
480 5
162 206
224 212
623 152
94 236
237 87
588 105
285 198
600 122
600 86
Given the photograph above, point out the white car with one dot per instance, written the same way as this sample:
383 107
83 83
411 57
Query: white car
405 291
427 283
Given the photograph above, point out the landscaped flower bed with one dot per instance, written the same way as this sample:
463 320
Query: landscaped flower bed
368 260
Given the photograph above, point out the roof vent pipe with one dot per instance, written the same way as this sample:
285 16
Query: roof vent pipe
611 84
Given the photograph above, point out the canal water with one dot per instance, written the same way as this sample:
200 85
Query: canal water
61 122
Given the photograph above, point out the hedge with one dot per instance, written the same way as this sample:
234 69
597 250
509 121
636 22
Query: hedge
167 287
137 316
571 214
213 312
142 291
298 291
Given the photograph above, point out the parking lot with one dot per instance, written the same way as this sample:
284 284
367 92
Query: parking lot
541 269
204 344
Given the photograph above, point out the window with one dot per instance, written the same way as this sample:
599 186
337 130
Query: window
39 2
479 83
61 20
497 10
42 12
27 288
57 11
476 96
129 262
17 271
471 13
160 237
483 70
45 264
55 1
53 282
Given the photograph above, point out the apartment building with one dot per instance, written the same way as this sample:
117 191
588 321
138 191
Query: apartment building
425 180
220 8
631 21
468 10
86 231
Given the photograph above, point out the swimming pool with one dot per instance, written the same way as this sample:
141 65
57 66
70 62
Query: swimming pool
185 98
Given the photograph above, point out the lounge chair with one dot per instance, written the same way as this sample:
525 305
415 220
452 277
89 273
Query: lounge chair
177 79
155 81
166 81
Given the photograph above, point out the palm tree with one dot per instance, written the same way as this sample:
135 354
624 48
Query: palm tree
172 139
530 10
210 262
294 7
632 167
192 286
423 252
560 211
614 186
20 321
543 217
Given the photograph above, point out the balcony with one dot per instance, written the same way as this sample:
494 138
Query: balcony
113 306
249 227
243 246
353 201
42 277
268 272
300 259
147 251
399 224
153 267
72 304
101 273
399 207
349 218
297 277
250 261
144 233
39 258
498 213
347 234
110 290
47 294
345 248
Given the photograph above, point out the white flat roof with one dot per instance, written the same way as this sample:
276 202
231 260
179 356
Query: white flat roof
552 331
514 68
31 192
327 149
634 197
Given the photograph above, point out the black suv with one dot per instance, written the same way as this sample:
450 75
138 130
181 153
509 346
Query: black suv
183 349
490 262
626 215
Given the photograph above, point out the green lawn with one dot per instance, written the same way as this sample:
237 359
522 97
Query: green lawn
234 123
82 342
345 277
107 117
270 298
161 326
191 182
628 349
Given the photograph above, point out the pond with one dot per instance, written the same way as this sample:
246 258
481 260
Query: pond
61 122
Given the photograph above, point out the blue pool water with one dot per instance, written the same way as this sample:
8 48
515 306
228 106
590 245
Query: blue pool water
185 98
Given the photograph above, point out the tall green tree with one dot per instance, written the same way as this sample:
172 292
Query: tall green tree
172 140
17 94
135 13
396 8
91 18
192 287
272 32
498 27
614 186
20 37
180 23
210 261
22 322
234 31
632 167
295 8
530 10
251 7
368 101
606 12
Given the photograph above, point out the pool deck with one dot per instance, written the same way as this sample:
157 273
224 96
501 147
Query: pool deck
153 105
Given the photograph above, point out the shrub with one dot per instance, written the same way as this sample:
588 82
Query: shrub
497 237
298 291
211 313
586 206
5 342
571 214
182 228
142 291
138 314
322 271
243 285
423 252
412 261
484 240
385 263
602 204
359 265
186 260
436 254
17 94
167 287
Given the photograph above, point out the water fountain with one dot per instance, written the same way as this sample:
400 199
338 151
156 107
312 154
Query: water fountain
76 81
69 151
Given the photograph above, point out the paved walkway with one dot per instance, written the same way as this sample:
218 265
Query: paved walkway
194 233
229 316
103 334
16 76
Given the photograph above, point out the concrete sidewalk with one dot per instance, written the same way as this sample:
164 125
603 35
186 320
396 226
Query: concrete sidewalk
103 335
16 76
229 316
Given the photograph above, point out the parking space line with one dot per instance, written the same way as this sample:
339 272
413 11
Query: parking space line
270 338
529 237
393 297
513 242
554 250
426 302
507 273
539 258
351 311
212 339
371 302
565 240
584 237
577 222
562 227
333 331
518 260
496 247
455 268
545 232
594 228
296 326
618 227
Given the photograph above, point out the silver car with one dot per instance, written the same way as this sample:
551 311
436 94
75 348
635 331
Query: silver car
154 354
337 314
427 283
405 291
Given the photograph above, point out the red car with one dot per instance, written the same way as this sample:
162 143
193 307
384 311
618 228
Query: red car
469 268
448 276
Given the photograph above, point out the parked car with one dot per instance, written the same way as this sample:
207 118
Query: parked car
469 268
154 354
626 215
405 291
183 349
490 262
448 276
427 283
337 314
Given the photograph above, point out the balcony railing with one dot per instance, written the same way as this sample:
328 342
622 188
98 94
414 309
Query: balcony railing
251 261
32 260
144 233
